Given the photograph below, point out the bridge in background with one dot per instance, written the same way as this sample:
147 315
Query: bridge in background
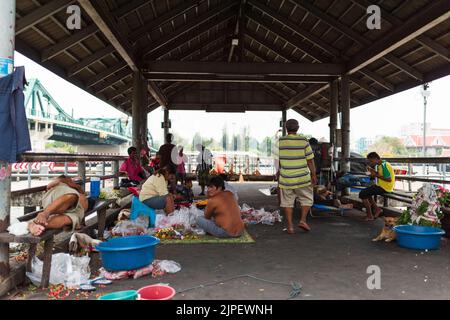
47 120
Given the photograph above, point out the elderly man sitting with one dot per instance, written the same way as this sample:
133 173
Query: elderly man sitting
64 205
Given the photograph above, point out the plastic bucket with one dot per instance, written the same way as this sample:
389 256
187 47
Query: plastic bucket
418 237
156 292
120 295
95 187
128 253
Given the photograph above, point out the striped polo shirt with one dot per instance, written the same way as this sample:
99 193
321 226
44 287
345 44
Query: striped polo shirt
294 151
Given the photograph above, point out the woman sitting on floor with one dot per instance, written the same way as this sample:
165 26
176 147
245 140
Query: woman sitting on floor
154 192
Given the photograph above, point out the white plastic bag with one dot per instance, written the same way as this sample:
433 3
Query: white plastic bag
18 228
66 269
169 266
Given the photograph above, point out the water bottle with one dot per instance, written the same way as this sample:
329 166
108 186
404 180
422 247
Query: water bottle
95 187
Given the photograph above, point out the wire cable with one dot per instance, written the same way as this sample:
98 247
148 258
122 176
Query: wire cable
296 287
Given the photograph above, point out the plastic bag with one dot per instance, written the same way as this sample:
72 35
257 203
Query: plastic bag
130 228
66 269
115 275
169 266
19 228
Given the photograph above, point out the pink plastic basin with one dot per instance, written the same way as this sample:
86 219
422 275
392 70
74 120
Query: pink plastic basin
156 292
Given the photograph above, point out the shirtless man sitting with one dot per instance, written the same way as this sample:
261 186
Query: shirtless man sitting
64 204
222 214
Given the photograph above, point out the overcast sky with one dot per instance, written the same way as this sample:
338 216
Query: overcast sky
383 117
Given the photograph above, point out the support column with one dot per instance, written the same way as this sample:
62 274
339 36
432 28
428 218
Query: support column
283 120
136 108
166 123
7 34
144 123
333 112
345 130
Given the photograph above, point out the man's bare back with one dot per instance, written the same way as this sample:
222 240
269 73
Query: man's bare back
226 212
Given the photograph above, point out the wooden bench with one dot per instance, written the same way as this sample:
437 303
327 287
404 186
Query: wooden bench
387 211
48 237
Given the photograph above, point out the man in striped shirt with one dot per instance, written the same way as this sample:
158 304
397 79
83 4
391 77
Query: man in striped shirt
297 174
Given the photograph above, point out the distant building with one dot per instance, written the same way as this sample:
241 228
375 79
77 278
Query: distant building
435 145
437 140
363 144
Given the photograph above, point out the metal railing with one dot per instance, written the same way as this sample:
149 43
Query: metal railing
419 173
81 160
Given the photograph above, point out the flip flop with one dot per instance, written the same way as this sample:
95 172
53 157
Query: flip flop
289 231
304 226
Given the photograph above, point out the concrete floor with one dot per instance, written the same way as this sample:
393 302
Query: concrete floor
330 262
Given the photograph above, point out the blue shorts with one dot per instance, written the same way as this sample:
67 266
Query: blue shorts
157 202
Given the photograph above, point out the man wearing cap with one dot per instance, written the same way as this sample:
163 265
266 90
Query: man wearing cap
297 175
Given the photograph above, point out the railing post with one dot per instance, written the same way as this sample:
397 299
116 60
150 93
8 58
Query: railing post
103 174
66 169
82 173
410 175
115 170
29 175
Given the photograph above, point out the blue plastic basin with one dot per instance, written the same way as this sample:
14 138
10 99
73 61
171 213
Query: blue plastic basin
418 237
128 253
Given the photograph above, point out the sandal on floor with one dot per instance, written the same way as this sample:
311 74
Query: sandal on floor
304 226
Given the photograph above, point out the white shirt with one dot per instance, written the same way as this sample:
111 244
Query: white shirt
207 157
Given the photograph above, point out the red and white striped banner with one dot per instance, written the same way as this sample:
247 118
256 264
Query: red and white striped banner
34 165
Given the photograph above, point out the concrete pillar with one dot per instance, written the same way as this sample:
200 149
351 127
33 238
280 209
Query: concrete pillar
144 124
283 120
82 173
334 94
345 130
115 170
7 34
136 110
166 123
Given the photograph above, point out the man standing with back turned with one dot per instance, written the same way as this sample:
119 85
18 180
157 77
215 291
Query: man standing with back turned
297 175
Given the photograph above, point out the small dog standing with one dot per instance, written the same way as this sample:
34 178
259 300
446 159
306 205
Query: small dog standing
388 233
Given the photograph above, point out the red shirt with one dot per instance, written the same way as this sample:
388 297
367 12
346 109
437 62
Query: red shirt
132 168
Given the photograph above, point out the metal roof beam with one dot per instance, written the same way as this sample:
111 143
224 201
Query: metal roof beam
141 32
157 93
353 35
433 14
129 8
185 39
122 74
244 68
105 23
363 85
304 95
191 25
378 79
68 42
86 62
259 39
236 78
286 36
41 14
106 73
237 29
294 27
423 39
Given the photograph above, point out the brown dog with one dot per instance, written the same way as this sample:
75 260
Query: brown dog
388 233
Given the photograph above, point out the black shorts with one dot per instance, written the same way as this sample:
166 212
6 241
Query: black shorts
371 191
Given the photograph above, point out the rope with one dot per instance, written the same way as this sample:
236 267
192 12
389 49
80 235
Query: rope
296 287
